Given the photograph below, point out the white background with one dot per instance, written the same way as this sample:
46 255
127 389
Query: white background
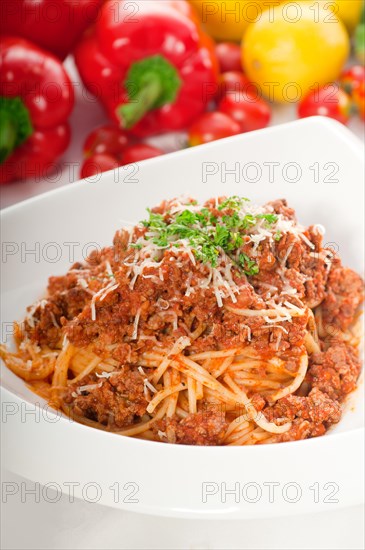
79 525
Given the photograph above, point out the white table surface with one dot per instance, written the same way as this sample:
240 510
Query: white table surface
81 525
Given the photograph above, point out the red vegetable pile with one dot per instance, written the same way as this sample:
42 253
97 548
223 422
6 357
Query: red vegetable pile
151 66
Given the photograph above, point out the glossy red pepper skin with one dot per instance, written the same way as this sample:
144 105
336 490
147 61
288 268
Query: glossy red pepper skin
40 81
55 25
158 28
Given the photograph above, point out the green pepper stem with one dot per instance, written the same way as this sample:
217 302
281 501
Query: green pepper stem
151 83
15 125
8 136
133 111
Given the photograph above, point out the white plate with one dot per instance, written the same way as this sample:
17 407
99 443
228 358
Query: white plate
317 165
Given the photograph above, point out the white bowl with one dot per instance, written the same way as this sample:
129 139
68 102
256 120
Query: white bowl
317 165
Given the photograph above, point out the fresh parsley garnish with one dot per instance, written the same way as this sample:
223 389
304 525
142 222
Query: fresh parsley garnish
249 266
155 221
209 235
269 218
233 203
277 236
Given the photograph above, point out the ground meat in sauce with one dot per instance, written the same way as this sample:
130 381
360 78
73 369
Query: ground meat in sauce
280 206
116 402
115 315
206 427
317 408
302 429
66 300
331 376
296 266
334 371
344 294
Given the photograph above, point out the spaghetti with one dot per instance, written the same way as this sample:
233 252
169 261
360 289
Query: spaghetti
215 324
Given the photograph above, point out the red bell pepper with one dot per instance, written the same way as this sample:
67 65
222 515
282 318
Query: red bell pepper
36 98
153 70
55 25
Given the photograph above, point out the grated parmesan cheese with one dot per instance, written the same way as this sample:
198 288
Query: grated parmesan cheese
249 333
101 295
105 374
135 325
87 387
147 384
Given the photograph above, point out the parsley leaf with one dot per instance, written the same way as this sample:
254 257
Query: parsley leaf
234 203
156 221
208 235
277 236
269 218
249 266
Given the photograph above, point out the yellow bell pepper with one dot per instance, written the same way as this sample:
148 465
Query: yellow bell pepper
229 19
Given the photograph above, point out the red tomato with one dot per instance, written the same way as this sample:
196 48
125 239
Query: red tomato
353 82
353 78
234 81
250 112
358 97
98 163
229 56
140 151
107 139
330 101
211 126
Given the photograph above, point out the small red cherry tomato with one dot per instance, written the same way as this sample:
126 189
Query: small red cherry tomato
358 97
353 78
353 82
97 164
234 81
229 56
140 151
107 139
249 111
212 126
330 101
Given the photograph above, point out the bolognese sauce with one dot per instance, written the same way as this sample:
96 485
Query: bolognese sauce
221 323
